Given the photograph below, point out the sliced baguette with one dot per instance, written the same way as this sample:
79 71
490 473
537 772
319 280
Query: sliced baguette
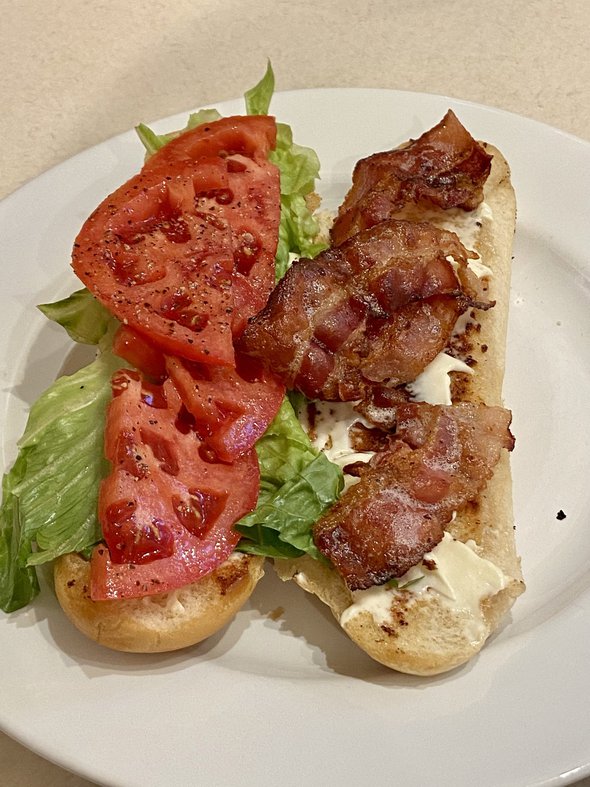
160 623
423 634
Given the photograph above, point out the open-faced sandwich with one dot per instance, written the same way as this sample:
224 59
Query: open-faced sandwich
347 423
396 337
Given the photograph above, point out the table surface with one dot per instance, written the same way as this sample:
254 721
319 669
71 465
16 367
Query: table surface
74 73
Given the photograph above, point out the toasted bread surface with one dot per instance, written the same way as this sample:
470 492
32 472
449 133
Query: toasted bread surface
423 633
159 623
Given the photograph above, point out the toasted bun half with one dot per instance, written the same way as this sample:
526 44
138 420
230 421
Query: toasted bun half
160 623
426 633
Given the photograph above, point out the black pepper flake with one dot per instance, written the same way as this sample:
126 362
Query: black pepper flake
560 515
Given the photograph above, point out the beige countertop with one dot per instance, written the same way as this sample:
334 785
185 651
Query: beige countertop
75 72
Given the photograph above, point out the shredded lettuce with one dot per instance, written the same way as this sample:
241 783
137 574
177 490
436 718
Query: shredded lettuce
49 504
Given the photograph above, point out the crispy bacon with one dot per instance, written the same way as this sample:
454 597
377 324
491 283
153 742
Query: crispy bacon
378 308
442 457
444 168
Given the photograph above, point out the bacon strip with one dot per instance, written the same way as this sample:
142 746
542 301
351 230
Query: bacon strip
444 168
442 458
378 308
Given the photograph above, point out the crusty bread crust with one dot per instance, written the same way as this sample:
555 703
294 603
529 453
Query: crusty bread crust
486 335
160 623
425 636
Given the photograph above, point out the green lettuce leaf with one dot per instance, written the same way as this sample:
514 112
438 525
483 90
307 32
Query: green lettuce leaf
84 318
258 98
299 167
297 484
50 495
18 582
297 233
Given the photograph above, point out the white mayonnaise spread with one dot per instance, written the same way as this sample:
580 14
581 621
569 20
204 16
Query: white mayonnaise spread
433 385
466 224
453 571
465 319
476 266
330 433
480 270
173 603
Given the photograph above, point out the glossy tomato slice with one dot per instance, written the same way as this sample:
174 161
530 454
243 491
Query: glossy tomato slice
168 507
253 136
164 251
135 348
232 408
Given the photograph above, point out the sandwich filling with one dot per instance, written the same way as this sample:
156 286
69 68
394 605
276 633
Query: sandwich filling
377 321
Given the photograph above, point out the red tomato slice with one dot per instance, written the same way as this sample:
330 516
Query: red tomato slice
135 348
252 136
163 251
168 506
232 407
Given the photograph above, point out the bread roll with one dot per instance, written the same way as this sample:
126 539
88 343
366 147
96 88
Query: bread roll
421 629
159 623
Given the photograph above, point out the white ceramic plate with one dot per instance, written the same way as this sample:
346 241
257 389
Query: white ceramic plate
286 697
